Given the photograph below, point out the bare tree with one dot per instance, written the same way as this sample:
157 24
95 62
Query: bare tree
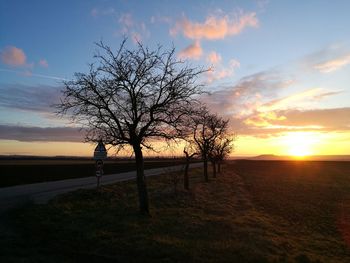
189 154
213 162
222 148
207 128
130 97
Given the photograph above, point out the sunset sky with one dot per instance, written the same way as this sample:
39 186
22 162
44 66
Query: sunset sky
280 69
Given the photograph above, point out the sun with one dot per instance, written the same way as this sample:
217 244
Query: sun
299 144
299 150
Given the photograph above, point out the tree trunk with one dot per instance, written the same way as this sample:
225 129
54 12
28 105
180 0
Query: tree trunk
214 169
186 179
205 168
219 167
141 180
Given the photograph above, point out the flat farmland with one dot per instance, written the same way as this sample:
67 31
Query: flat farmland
308 201
254 211
27 171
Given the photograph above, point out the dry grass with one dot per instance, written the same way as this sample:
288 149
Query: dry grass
309 203
248 217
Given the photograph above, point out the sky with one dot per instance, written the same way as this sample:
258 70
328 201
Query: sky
279 70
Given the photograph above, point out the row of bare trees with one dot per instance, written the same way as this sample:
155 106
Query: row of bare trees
208 138
130 97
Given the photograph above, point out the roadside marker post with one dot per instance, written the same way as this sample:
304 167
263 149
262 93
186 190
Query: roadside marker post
99 171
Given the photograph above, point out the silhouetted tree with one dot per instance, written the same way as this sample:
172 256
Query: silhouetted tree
131 96
222 148
207 128
213 163
189 154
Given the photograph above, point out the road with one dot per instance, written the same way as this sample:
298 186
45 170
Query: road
40 193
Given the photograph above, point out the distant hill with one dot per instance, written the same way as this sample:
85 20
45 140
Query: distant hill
263 157
272 157
267 157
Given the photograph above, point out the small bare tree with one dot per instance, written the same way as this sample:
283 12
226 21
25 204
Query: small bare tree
130 97
213 161
207 128
222 148
189 154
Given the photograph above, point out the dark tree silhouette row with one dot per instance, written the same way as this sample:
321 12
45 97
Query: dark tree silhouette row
130 97
207 137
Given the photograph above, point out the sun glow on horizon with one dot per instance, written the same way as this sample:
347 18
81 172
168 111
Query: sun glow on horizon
299 144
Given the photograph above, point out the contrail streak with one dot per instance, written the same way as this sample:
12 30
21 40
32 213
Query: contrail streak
32 74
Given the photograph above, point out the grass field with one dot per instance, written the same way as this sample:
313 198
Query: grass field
255 211
17 172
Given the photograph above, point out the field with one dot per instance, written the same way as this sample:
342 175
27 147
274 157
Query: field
27 171
308 201
254 211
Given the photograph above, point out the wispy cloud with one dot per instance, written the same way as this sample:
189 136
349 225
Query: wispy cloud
294 113
129 26
218 73
333 64
272 113
328 119
13 56
254 109
328 59
214 57
126 21
160 19
272 123
35 134
219 70
96 12
215 27
193 51
247 94
43 63
29 98
262 4
31 74
300 99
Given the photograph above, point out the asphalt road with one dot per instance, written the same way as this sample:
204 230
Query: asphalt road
42 192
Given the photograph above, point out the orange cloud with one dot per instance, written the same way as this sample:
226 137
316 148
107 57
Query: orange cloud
335 119
217 74
277 113
263 119
214 57
193 51
43 63
219 71
234 63
333 65
282 115
329 119
215 27
253 109
13 56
